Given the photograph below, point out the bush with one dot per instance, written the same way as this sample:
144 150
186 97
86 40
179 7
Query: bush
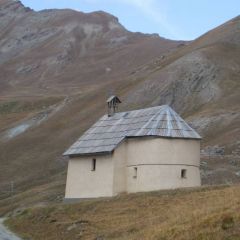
227 222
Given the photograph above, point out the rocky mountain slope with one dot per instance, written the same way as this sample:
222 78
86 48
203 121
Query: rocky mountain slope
58 66
59 51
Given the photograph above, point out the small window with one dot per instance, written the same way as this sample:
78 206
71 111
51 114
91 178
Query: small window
184 173
93 164
135 172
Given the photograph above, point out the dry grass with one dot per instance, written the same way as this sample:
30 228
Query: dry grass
204 213
43 194
14 110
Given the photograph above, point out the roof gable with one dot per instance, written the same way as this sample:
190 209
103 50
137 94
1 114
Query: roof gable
113 98
108 132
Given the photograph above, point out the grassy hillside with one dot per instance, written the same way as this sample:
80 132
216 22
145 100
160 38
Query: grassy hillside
199 214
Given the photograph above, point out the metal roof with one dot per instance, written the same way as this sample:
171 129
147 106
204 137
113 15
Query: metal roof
113 97
105 135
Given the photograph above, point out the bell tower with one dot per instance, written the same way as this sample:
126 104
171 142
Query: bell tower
112 103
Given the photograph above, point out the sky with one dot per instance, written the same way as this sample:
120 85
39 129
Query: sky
173 19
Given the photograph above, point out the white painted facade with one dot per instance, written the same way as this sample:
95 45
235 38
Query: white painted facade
136 165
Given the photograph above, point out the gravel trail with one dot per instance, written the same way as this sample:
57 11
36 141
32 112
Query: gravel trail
6 234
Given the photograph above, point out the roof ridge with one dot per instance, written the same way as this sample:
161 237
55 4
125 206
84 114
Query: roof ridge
140 109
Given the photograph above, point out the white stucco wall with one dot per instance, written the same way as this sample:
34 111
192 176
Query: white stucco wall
82 182
157 177
159 162
119 166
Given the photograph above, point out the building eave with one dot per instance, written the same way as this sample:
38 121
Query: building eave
128 137
88 154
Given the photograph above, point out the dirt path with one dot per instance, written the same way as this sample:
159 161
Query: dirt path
5 234
34 121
